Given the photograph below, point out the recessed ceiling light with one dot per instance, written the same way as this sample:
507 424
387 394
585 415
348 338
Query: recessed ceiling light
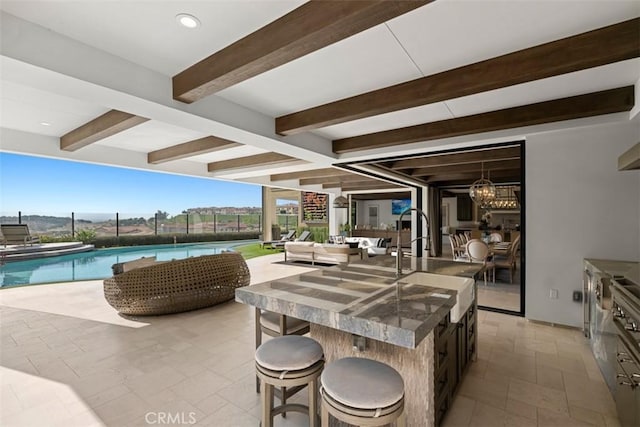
45 123
188 21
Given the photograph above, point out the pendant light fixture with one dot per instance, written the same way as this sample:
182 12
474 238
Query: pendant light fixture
341 202
482 192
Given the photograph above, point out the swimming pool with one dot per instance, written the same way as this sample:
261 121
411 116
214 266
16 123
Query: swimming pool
97 264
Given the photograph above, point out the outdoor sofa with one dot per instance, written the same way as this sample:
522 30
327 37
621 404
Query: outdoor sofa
325 253
152 288
373 245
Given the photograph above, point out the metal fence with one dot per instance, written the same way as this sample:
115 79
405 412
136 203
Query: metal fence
119 224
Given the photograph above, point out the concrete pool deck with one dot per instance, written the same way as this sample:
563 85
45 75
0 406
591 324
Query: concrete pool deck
68 359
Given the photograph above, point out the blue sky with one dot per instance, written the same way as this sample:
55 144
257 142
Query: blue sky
42 186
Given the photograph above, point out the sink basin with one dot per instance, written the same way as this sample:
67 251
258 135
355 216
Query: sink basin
464 287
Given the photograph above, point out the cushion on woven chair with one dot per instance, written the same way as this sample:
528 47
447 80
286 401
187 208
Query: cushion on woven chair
123 267
362 383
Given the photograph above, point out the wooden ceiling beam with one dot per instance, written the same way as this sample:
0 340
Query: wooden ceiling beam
327 185
104 126
468 167
575 107
362 182
379 186
310 27
208 144
338 179
489 155
595 48
313 173
265 159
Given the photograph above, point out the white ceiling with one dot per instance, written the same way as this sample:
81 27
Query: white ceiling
101 55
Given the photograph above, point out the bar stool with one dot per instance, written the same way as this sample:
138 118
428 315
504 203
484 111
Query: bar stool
275 325
362 392
289 361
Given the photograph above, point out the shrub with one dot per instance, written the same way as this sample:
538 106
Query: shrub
86 235
167 239
318 234
45 238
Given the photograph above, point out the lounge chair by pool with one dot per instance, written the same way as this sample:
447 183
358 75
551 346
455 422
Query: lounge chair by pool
286 238
17 234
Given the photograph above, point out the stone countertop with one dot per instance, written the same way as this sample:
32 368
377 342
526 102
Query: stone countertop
365 298
627 269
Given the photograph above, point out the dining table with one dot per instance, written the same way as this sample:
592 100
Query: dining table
499 248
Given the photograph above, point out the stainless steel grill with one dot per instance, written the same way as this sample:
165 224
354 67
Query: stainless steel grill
626 319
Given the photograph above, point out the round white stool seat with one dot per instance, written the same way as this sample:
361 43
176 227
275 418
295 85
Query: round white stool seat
289 353
362 383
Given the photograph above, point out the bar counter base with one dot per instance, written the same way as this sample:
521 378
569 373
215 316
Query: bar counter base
415 365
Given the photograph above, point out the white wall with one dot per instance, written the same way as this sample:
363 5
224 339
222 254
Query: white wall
577 206
452 202
384 212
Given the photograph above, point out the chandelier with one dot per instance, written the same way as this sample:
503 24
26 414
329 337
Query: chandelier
505 198
482 192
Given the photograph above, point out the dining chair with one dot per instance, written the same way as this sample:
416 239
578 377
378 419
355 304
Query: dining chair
478 252
460 244
508 262
495 237
456 252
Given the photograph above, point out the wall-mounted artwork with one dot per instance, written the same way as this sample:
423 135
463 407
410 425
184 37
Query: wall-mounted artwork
314 207
400 205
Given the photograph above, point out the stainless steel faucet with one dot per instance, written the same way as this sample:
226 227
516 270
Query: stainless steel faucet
399 240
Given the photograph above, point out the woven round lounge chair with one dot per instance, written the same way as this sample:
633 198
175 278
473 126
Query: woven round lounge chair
177 286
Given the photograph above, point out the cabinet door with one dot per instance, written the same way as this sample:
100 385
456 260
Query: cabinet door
462 340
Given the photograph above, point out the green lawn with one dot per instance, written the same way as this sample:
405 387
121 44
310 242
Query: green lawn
253 250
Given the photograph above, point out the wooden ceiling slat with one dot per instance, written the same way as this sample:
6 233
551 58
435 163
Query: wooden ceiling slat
575 107
310 27
265 159
382 196
595 48
471 177
196 147
106 125
497 154
465 183
468 167
314 173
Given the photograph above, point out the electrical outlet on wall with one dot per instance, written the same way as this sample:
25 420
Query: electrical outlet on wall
553 293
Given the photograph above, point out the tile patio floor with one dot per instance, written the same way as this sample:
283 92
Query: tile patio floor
67 359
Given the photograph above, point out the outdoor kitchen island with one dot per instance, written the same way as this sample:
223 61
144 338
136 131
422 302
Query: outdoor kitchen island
423 323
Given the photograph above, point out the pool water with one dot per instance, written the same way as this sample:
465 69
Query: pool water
97 264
